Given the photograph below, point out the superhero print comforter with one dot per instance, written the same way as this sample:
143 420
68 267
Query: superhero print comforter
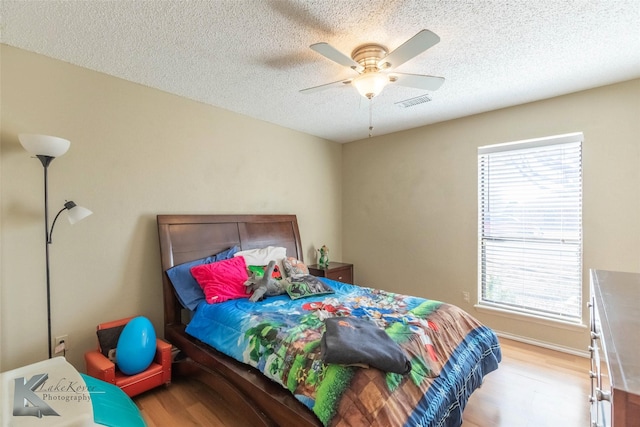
449 353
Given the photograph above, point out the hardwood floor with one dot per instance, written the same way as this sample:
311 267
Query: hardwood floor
532 387
187 402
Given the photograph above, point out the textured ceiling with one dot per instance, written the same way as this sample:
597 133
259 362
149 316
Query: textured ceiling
252 57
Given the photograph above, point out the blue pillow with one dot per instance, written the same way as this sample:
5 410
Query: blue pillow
190 294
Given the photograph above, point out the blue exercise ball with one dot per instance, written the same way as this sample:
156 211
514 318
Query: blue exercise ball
136 346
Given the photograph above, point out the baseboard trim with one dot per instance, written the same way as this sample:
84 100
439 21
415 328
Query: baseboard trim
543 344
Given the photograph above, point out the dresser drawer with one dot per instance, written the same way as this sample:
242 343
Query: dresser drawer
615 381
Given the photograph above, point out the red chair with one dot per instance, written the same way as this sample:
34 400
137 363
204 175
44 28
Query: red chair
158 373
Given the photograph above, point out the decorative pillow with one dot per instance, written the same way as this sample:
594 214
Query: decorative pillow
108 340
258 271
222 280
189 292
262 256
307 286
294 267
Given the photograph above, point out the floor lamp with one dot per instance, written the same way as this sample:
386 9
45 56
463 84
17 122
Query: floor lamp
46 148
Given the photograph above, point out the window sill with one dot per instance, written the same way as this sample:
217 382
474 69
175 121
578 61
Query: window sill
572 326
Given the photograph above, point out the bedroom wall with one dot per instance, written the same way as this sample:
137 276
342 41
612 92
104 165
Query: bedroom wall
410 199
135 152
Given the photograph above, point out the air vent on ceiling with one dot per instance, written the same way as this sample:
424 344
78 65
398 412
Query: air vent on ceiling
413 101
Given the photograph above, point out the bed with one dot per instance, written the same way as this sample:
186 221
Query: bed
276 377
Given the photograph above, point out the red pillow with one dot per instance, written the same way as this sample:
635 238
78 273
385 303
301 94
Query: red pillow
222 280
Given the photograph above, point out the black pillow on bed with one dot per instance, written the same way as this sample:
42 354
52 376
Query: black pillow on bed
353 340
108 339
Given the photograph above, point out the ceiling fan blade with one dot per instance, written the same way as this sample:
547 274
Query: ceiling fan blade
409 49
330 52
418 81
326 86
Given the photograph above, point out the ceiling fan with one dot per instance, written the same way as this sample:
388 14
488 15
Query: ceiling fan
373 64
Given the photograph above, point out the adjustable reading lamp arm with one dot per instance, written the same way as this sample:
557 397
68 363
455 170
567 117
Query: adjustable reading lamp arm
67 205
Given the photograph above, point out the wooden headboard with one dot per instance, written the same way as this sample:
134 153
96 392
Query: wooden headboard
186 238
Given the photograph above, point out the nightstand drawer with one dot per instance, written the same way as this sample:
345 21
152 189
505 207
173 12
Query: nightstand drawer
342 272
341 275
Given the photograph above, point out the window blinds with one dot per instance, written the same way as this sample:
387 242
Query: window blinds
530 226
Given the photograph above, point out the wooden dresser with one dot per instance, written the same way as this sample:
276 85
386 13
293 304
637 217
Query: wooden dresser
615 349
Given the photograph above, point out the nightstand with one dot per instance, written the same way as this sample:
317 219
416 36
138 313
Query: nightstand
342 272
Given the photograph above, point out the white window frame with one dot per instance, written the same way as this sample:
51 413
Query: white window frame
492 244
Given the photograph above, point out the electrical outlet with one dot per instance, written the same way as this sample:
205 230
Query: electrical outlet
465 296
59 340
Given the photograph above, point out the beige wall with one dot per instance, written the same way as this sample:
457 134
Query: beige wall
402 207
135 152
410 198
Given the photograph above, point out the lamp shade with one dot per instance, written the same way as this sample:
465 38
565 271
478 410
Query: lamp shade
370 84
77 213
44 145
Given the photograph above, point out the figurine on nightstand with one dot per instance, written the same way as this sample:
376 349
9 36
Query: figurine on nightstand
323 261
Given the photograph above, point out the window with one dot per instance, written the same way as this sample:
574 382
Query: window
530 227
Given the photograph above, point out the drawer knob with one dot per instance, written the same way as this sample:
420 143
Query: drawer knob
339 277
595 335
603 395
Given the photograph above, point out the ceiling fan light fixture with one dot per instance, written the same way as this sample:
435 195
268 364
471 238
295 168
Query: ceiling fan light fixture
370 84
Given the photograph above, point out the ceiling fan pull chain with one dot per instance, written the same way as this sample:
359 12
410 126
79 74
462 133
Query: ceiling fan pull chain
370 116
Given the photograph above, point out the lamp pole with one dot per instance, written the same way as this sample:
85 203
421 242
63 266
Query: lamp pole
46 160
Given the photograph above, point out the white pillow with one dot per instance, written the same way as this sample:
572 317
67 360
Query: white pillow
262 256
